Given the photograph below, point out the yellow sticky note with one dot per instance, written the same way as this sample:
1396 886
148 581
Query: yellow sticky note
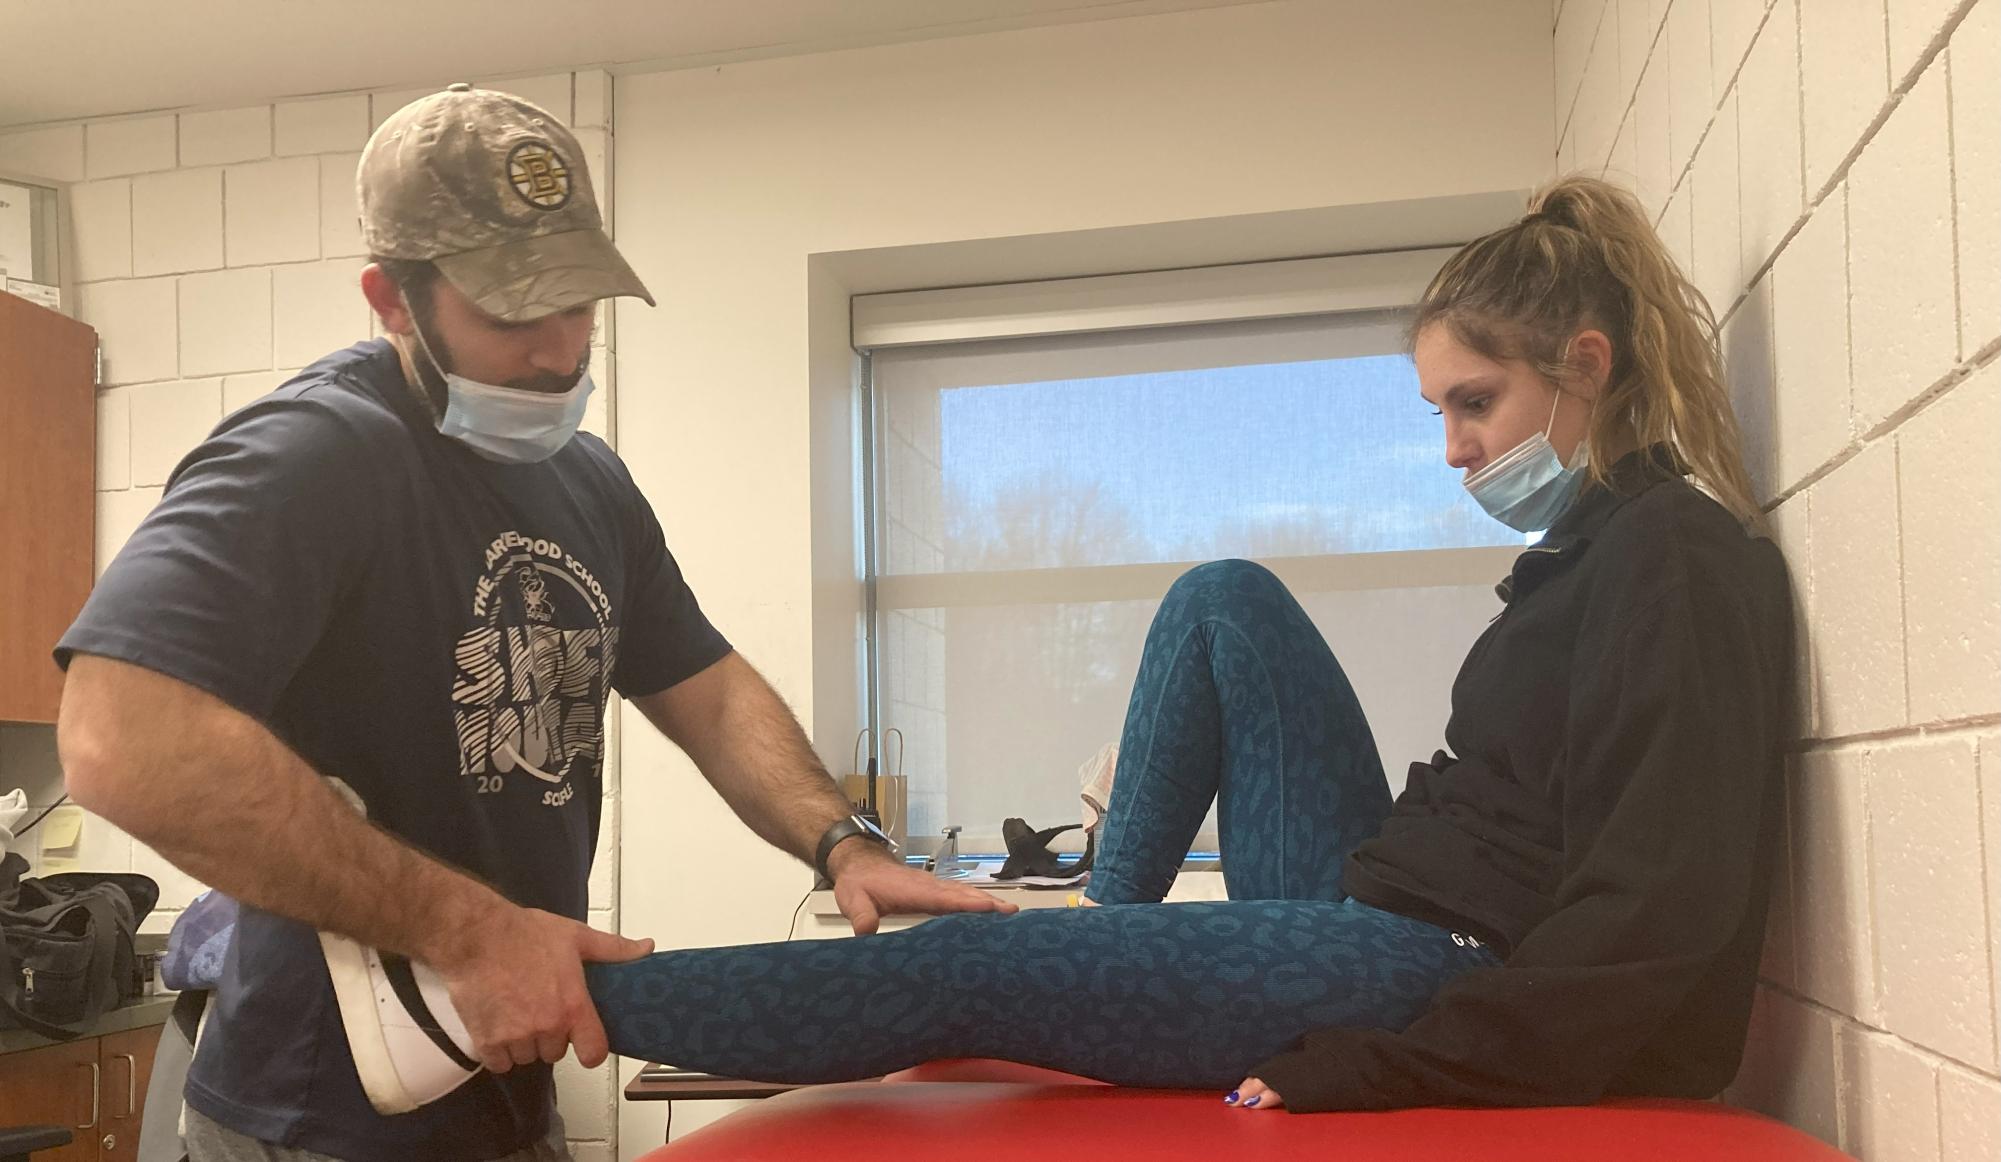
62 840
63 827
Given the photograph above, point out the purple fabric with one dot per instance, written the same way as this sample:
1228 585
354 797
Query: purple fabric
199 942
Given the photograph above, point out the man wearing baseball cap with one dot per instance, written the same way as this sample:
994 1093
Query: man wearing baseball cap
352 671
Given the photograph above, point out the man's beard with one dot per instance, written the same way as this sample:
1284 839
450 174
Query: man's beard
431 375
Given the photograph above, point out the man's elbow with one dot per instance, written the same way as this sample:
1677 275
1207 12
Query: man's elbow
82 753
88 749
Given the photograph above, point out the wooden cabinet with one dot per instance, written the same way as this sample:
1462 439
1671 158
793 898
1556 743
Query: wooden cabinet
126 1061
48 502
54 1086
94 1086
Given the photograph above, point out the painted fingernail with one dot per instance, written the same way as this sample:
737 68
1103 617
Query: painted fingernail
1231 1099
1253 1101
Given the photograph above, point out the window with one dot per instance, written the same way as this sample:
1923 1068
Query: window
1033 497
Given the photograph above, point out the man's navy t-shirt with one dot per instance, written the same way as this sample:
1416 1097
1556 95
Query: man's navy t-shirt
438 631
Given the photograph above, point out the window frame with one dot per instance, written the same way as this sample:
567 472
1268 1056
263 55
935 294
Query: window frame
1327 285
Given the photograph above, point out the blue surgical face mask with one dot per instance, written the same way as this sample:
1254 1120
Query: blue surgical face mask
1527 487
510 425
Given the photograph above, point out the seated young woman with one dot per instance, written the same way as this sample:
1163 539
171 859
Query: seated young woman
1566 901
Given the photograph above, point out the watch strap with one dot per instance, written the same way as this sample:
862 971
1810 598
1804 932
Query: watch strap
846 827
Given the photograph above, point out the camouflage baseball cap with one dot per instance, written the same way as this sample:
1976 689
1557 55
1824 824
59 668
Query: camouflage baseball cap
494 191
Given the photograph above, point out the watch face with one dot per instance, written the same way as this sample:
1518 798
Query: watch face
863 823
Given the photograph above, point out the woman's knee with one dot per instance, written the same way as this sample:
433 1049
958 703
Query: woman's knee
1225 586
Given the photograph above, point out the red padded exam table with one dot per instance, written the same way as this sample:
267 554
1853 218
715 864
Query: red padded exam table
997 1109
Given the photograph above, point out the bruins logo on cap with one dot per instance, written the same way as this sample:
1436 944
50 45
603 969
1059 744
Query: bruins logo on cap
539 175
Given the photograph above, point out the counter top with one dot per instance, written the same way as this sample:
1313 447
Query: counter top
142 1012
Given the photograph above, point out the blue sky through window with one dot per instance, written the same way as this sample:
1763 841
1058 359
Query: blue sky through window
1281 459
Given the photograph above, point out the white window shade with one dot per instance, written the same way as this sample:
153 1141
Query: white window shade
1034 498
1117 302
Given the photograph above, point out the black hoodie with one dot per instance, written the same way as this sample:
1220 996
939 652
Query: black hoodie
1608 824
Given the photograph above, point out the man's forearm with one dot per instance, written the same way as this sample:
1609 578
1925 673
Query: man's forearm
748 744
221 798
767 772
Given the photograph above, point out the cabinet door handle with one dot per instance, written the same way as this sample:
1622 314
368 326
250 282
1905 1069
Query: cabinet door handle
131 1083
96 1080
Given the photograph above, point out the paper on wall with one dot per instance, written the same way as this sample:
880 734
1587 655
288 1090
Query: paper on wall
17 230
62 840
35 292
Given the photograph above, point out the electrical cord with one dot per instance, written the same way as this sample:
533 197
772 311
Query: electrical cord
45 815
793 927
790 929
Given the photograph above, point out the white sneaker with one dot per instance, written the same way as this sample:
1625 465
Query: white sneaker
408 1043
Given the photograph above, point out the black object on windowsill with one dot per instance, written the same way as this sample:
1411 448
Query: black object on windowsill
1028 851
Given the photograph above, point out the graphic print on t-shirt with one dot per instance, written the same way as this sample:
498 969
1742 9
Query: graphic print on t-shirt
533 672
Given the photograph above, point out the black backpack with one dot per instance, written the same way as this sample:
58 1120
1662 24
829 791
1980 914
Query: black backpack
66 953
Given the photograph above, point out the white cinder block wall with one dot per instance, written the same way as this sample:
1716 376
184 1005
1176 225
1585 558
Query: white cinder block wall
1826 170
216 252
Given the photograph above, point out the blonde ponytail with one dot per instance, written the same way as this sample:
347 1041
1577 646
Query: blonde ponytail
1585 257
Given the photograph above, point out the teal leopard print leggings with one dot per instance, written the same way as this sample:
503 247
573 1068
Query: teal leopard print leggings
1239 701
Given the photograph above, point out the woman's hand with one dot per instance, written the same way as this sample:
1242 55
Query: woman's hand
1254 1095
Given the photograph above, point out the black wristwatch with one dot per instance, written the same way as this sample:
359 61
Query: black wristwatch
846 828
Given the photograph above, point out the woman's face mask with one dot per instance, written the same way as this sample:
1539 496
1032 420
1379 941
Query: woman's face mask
1527 487
1503 429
